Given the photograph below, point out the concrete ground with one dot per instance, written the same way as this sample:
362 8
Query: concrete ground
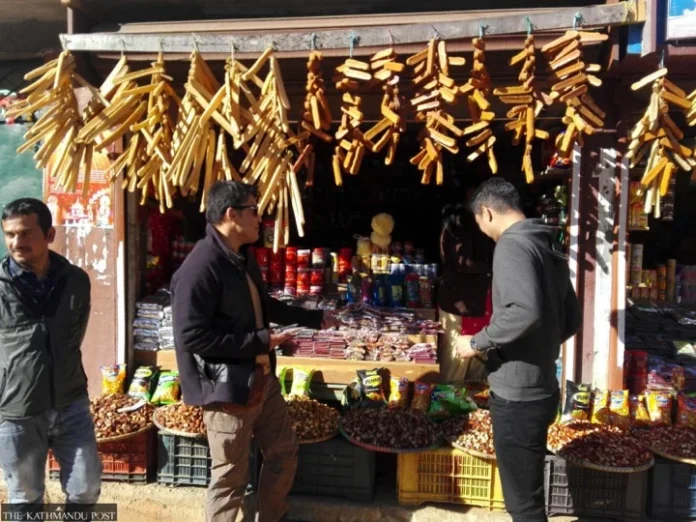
140 503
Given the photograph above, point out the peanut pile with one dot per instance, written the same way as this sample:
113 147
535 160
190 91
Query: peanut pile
391 428
673 440
108 422
311 419
180 417
477 434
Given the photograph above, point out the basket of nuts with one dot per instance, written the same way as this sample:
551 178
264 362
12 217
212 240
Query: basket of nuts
180 419
599 447
390 430
473 435
312 421
119 417
675 443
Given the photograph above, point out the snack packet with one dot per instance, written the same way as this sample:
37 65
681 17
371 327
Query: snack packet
301 382
640 418
141 385
620 410
686 412
398 392
600 408
449 400
113 379
168 389
370 385
422 395
577 403
659 408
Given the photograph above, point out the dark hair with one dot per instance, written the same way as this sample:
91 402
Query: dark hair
498 194
224 195
27 207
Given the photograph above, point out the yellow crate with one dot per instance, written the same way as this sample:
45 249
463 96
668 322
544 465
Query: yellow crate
448 476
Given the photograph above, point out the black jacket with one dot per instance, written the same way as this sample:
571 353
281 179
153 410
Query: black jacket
40 358
215 333
535 310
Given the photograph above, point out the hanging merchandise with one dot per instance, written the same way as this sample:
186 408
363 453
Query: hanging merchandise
527 103
573 78
316 118
478 89
435 87
657 135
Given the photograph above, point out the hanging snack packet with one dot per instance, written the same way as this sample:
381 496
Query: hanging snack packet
398 392
640 418
301 382
620 410
422 395
686 412
113 379
370 385
449 400
577 403
141 385
600 407
168 389
660 408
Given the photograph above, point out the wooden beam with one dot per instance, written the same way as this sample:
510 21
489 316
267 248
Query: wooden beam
383 36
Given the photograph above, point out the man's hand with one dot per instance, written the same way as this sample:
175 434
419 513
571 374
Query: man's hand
277 339
464 349
330 320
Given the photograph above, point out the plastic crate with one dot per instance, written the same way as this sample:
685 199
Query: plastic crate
672 489
448 476
582 492
182 461
335 468
131 460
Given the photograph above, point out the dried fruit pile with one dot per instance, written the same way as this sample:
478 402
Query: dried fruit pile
108 422
478 435
479 391
673 440
598 445
311 419
391 428
452 428
183 418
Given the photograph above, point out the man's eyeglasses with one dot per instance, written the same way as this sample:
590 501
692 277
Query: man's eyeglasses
254 208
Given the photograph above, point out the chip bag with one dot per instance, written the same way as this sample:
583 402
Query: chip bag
422 395
448 400
686 412
659 408
398 392
620 410
640 418
370 384
113 379
141 385
600 408
301 382
577 403
168 389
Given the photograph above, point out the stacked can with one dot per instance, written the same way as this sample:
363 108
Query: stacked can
316 278
276 275
662 282
263 258
290 271
304 259
344 264
636 371
671 277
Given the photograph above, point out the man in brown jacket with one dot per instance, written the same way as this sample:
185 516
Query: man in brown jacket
221 312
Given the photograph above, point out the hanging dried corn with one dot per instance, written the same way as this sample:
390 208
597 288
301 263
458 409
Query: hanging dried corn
435 89
351 77
527 102
573 79
388 130
657 135
316 118
478 89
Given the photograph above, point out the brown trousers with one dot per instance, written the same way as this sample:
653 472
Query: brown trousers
230 428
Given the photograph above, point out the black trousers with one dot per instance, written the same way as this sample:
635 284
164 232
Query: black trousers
520 430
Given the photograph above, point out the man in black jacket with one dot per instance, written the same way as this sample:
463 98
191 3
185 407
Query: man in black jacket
44 310
221 312
535 310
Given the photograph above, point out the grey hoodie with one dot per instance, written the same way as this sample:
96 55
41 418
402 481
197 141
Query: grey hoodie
535 310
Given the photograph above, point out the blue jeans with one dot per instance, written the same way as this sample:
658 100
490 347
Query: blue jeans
69 432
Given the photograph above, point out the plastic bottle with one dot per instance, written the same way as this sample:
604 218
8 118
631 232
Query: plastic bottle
354 294
396 286
412 289
380 291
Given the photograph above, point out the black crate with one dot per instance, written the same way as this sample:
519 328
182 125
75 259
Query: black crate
581 492
672 489
335 468
182 461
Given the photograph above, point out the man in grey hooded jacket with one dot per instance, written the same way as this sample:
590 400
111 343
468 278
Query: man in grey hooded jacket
535 310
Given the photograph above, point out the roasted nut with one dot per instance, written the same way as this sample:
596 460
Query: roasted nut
108 422
475 434
180 417
311 419
391 428
673 440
